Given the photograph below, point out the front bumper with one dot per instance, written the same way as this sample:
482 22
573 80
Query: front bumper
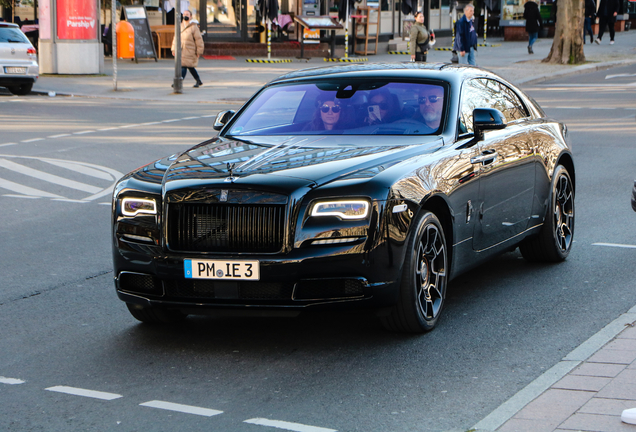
321 277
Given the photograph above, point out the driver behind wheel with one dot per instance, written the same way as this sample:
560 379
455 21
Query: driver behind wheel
431 102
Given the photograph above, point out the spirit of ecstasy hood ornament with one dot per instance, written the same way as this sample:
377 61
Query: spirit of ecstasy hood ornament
230 168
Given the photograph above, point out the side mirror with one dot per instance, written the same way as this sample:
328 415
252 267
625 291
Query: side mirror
222 118
487 119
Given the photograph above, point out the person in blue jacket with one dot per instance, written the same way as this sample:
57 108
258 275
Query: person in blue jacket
466 37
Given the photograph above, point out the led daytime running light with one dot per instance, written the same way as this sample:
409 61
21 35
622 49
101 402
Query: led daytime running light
134 206
359 208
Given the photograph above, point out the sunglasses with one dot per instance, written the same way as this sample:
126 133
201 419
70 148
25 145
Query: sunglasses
431 99
383 106
325 108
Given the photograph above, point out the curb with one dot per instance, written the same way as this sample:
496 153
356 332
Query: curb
576 70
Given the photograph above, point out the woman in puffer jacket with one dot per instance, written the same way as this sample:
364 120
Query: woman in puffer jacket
191 47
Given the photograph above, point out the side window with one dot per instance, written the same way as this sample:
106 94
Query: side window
514 109
487 93
475 94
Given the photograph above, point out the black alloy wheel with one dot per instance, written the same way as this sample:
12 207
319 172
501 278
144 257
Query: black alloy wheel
424 278
554 242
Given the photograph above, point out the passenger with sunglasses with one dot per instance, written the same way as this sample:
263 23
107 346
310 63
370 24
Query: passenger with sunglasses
382 108
431 102
327 116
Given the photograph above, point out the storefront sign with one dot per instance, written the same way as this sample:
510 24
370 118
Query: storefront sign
77 19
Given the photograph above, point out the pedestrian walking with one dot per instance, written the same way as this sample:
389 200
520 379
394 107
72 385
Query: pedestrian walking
420 39
466 37
607 11
533 22
590 14
191 47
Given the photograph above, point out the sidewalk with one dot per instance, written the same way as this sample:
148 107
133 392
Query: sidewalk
234 81
589 388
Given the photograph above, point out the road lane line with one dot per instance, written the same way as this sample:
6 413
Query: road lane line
83 132
188 409
297 427
615 245
10 381
59 136
7 144
72 184
85 393
25 190
80 169
32 140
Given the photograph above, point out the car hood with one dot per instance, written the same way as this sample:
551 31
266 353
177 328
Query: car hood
311 161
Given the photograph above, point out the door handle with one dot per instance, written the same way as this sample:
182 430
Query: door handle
486 157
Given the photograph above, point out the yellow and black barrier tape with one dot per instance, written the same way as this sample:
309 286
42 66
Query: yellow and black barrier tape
269 60
347 60
443 49
400 52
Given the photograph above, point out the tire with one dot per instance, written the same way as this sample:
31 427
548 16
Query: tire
424 278
150 315
554 241
21 90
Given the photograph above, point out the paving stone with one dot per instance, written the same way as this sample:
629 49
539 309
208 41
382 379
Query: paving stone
602 406
579 382
613 356
628 333
622 344
596 423
523 425
555 404
599 369
621 387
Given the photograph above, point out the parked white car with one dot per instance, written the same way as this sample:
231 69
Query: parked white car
18 60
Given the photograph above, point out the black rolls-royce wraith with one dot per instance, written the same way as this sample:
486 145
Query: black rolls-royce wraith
350 186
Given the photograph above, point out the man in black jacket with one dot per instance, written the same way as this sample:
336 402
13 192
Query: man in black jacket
607 11
590 13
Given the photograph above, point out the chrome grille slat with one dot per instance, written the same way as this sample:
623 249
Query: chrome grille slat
225 227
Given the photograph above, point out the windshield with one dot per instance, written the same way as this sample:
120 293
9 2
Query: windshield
12 35
352 107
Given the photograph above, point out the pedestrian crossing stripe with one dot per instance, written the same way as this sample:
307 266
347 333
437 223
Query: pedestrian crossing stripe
399 52
347 60
268 60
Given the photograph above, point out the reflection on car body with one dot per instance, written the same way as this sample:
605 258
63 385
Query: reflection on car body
281 213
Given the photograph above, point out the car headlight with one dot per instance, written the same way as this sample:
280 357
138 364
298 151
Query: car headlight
346 209
135 206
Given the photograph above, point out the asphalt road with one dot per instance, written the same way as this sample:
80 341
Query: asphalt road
62 325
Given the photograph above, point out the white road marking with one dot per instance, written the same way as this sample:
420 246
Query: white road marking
7 144
22 196
80 169
83 132
59 136
615 245
190 118
25 190
619 76
32 140
188 409
11 381
170 121
297 427
72 184
85 393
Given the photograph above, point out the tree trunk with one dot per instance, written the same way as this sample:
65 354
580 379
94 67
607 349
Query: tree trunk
567 46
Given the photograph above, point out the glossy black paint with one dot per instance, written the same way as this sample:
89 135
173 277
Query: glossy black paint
489 190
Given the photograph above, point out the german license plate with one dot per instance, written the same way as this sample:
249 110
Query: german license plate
221 269
15 70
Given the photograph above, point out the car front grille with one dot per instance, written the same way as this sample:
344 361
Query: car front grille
225 227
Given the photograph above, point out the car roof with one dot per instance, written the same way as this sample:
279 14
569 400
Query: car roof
6 24
416 70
